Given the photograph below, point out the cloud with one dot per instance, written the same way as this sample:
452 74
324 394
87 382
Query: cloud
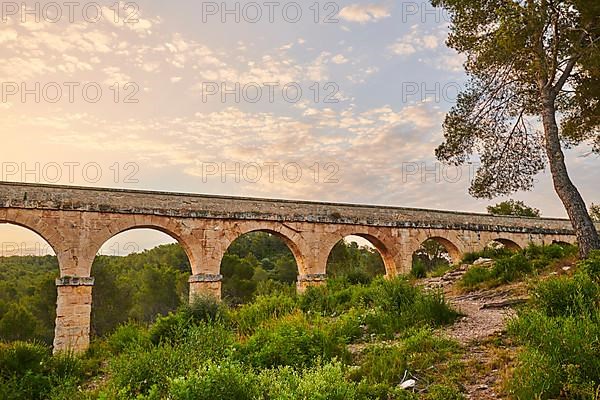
416 41
7 35
339 59
401 48
115 75
364 13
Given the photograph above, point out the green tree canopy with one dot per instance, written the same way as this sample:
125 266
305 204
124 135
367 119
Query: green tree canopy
533 89
513 207
595 212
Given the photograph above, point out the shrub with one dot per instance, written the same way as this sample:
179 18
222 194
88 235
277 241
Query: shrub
432 309
475 276
561 337
290 341
419 269
488 252
19 358
347 327
264 308
536 375
565 296
381 364
173 326
554 346
337 297
63 366
227 380
326 382
127 336
506 269
271 287
380 322
426 349
442 392
511 268
29 372
169 328
204 309
592 265
321 382
395 295
550 252
148 370
383 307
415 353
358 277
135 373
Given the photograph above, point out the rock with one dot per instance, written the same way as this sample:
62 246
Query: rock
504 303
410 383
483 262
566 268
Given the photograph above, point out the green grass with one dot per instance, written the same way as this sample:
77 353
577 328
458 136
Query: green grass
337 341
510 267
559 332
281 346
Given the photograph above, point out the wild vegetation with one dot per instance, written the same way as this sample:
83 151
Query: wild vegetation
509 266
360 336
278 346
559 335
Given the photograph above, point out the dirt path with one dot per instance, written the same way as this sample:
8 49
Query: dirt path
485 315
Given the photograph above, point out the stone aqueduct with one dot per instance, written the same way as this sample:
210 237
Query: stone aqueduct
77 221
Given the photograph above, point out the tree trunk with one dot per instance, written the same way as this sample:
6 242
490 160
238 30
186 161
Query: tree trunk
587 236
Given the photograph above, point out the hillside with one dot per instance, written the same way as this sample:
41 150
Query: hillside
500 325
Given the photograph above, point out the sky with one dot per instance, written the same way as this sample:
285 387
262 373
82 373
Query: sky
328 101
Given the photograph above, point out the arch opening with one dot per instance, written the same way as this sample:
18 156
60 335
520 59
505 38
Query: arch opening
258 262
562 243
28 271
435 256
139 273
357 258
501 243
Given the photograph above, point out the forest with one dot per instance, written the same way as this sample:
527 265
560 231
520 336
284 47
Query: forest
141 286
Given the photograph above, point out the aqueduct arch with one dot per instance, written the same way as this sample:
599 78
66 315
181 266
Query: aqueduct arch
382 243
76 221
453 251
232 231
509 244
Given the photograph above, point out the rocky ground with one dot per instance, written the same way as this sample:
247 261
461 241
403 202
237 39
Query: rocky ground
480 329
